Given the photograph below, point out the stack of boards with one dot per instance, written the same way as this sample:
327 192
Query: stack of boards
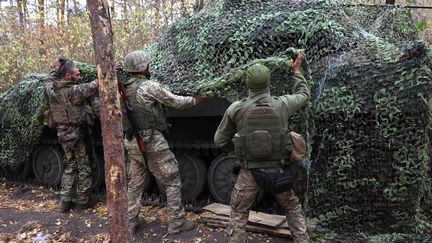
218 215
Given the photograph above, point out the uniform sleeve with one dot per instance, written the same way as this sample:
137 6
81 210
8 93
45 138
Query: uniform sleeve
82 91
155 91
226 131
301 94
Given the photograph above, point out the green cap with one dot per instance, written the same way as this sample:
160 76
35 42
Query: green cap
257 77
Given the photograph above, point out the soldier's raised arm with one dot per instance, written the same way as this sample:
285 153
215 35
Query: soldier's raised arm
301 91
157 92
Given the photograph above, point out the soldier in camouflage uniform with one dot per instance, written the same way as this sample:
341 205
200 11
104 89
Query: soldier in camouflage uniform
67 99
246 188
147 99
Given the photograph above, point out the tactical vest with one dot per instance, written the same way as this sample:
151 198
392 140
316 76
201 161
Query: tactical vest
63 112
262 140
149 115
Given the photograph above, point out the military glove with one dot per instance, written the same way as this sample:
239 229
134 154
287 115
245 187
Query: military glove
296 65
200 99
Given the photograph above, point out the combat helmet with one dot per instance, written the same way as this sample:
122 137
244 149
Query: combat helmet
137 61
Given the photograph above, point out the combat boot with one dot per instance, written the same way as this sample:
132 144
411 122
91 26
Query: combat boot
66 206
82 206
186 226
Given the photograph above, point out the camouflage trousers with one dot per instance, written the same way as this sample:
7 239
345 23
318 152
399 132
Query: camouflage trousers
77 174
242 198
164 166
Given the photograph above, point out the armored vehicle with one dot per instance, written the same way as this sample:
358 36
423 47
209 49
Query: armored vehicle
367 124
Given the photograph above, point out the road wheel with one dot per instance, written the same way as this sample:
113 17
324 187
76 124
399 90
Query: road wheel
193 172
221 180
47 165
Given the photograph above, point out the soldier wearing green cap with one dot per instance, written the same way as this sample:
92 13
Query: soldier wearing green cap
147 99
261 109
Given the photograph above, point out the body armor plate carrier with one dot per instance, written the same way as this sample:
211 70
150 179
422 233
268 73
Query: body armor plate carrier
63 112
262 141
149 115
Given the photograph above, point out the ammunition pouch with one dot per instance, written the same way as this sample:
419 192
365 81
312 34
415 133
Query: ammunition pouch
274 182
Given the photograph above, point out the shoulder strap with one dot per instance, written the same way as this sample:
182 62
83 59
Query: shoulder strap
247 104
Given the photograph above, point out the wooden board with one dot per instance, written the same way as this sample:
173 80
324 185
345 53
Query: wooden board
254 228
207 216
254 217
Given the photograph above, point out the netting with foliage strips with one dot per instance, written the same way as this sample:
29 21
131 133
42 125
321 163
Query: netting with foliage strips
367 123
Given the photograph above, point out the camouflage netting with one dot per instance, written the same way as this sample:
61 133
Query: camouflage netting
20 119
366 124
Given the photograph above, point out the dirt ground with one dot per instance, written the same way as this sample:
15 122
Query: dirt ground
30 214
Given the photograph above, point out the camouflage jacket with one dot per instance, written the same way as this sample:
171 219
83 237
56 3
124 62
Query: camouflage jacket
76 96
153 91
293 102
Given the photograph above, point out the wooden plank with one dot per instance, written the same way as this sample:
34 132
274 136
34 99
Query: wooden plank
254 228
211 216
254 217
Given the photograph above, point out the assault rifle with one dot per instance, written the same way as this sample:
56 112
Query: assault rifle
132 120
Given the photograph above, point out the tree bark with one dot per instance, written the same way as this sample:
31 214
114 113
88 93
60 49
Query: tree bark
157 15
183 9
113 9
390 2
75 6
111 120
124 10
40 23
199 4
20 13
25 11
61 8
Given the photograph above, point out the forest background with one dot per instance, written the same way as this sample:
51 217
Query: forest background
34 32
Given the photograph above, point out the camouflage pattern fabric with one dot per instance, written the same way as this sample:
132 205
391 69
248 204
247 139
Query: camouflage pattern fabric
229 126
242 198
152 90
163 165
245 189
161 161
77 174
77 170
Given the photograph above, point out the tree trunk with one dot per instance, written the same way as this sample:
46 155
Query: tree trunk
20 14
111 120
157 15
61 8
25 11
75 6
67 11
165 13
40 23
171 10
113 9
199 4
390 2
183 9
124 9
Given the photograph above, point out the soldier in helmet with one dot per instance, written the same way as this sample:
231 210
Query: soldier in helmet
66 97
147 99
260 110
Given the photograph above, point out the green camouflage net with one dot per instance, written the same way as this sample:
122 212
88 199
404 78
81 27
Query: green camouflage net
366 125
370 169
21 119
